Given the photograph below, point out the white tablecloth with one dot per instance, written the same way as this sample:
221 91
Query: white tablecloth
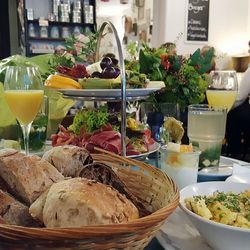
178 232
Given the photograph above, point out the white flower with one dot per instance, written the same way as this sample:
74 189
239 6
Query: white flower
81 40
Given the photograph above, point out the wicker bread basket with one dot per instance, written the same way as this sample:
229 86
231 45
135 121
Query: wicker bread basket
158 191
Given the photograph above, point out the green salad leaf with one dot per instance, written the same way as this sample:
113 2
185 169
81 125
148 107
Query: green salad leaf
89 119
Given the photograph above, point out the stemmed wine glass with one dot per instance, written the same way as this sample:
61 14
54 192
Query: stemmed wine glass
23 91
222 89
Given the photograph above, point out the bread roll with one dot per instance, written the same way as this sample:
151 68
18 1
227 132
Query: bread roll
104 174
27 177
80 202
13 212
68 159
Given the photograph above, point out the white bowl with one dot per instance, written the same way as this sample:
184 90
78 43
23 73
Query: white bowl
217 235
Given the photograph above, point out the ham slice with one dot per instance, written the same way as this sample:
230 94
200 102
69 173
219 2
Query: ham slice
108 140
105 138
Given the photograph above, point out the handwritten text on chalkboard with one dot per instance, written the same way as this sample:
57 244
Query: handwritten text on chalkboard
197 20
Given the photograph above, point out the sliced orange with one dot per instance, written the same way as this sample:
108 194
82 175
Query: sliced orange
186 148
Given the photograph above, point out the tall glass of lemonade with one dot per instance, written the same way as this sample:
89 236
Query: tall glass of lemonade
206 131
23 91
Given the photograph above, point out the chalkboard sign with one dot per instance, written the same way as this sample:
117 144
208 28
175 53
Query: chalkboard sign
197 20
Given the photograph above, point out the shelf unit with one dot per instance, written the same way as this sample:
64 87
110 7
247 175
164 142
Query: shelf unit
48 44
56 23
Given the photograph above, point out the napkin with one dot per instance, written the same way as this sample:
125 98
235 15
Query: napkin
240 169
178 233
241 173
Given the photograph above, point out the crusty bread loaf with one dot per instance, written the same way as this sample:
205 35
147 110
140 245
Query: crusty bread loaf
79 202
13 212
103 173
68 159
2 221
3 184
27 176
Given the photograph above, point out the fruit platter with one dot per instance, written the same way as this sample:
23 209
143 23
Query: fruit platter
92 82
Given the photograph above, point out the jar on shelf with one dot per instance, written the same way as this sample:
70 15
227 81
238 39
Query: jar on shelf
55 9
67 4
64 17
52 17
54 32
30 14
88 14
77 5
44 31
77 31
65 32
64 12
32 32
76 17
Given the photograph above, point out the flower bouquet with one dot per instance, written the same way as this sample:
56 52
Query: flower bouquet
185 78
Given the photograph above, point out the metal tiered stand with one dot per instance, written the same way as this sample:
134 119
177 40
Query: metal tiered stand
123 98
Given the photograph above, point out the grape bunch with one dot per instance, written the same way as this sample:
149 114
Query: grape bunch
109 69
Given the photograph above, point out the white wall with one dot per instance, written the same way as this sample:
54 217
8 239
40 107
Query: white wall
229 27
115 12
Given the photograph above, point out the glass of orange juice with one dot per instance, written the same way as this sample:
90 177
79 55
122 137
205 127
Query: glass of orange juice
222 88
23 91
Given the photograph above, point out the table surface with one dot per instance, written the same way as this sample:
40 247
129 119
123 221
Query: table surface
154 245
177 217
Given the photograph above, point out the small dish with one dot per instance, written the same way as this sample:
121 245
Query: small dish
155 147
109 93
219 173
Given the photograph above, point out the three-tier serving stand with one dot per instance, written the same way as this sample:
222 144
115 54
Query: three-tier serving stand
123 98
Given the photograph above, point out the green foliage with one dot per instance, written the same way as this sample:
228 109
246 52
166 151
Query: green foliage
45 63
132 65
89 119
150 62
185 78
65 60
202 62
83 50
132 49
16 60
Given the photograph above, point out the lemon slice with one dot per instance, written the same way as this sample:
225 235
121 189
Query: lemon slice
186 148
